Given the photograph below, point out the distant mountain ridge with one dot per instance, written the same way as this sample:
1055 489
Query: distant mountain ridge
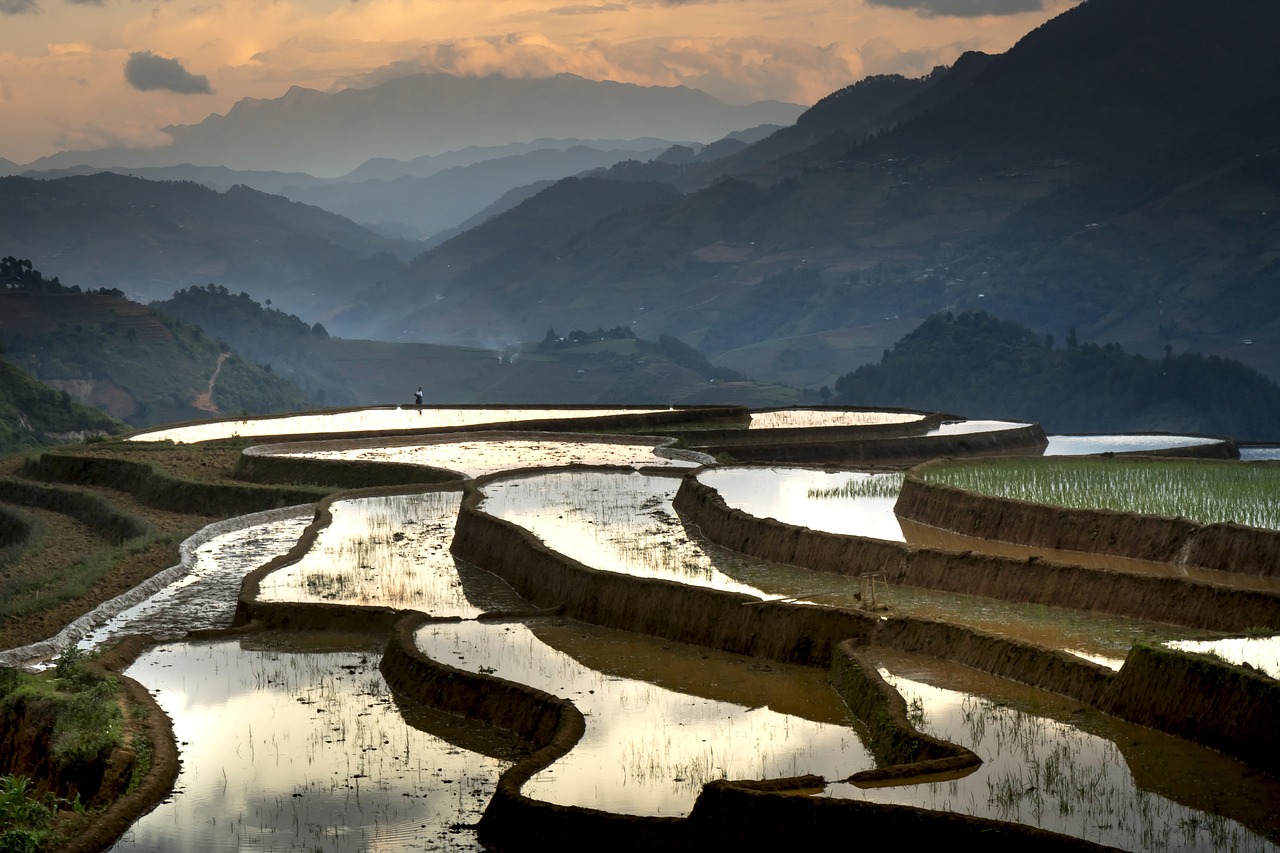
327 134
1116 171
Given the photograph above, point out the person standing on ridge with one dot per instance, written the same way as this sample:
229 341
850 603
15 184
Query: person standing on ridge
417 396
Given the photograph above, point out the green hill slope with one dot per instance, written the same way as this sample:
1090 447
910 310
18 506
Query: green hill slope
986 367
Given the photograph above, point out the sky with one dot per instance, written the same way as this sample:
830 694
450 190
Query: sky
86 74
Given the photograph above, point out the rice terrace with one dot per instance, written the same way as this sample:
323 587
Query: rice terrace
638 628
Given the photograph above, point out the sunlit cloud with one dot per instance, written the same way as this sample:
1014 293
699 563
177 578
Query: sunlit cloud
963 8
145 71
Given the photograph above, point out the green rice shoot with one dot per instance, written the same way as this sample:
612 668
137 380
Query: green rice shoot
867 486
1207 492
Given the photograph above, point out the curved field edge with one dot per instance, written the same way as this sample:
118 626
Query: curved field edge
1223 546
1160 688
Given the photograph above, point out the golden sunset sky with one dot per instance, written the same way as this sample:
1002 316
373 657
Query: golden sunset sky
83 74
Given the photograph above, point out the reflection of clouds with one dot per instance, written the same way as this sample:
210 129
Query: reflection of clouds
783 494
281 750
647 749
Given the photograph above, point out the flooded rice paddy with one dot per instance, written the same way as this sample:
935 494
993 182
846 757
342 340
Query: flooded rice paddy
479 456
624 522
809 418
294 742
1047 762
390 551
850 502
1260 653
1081 445
662 719
377 419
205 597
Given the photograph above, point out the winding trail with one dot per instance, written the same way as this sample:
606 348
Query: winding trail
204 402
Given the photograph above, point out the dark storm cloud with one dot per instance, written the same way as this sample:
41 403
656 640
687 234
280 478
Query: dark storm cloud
146 71
17 7
963 8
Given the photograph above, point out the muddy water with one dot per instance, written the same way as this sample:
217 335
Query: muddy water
1048 762
625 523
369 420
206 596
662 719
800 496
295 743
474 458
390 551
806 418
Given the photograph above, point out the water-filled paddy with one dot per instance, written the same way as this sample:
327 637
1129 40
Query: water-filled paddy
391 551
293 742
1080 445
1049 763
661 719
369 420
476 457
205 597
968 427
1261 653
809 418
848 502
624 522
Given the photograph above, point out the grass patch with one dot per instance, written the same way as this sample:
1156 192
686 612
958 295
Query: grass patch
870 486
1204 491
23 596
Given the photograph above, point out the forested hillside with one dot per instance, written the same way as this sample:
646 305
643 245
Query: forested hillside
985 367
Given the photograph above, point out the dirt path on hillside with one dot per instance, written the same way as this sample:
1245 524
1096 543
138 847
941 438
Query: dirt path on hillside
204 402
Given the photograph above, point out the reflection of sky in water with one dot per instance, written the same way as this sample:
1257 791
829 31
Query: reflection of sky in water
206 596
1257 454
1258 652
783 494
807 418
391 551
370 420
622 522
966 427
476 458
300 751
1049 774
647 750
1081 445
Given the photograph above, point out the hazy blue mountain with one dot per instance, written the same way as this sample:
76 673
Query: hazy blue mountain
329 134
1117 170
419 208
149 238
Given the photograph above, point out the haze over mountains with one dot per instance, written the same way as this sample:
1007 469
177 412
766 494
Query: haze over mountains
1117 172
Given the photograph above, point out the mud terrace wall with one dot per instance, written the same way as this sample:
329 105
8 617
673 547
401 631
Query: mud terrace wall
1225 547
698 616
1172 599
154 487
1143 695
851 450
256 465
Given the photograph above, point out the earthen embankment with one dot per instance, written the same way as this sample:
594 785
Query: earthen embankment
1223 547
1172 599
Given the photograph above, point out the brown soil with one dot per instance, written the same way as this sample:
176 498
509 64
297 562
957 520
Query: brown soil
67 541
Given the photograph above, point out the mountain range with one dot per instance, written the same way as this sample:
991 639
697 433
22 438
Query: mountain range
1115 175
330 133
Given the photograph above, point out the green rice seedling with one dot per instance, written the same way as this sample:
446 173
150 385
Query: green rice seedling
1200 490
